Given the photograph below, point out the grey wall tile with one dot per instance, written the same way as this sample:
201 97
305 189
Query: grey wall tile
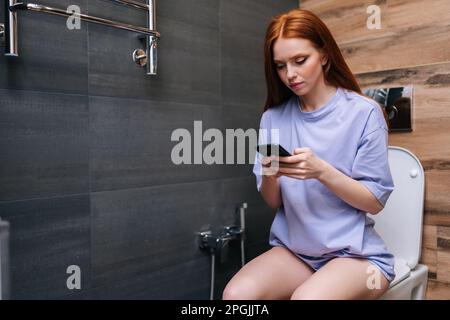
43 143
188 58
247 118
113 139
186 280
139 231
242 45
51 57
47 236
131 141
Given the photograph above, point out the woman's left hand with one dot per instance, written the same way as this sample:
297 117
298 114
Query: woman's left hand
302 165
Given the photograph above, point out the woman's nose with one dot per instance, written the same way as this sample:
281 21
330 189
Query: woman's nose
290 74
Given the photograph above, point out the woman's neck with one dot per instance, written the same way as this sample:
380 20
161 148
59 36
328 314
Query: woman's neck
317 97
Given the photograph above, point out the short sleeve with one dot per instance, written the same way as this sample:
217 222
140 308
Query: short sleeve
371 166
263 133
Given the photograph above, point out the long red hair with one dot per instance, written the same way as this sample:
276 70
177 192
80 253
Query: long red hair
301 23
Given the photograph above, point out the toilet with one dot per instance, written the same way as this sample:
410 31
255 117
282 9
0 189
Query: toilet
400 226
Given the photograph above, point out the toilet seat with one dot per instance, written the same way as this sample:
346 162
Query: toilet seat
400 222
402 271
400 225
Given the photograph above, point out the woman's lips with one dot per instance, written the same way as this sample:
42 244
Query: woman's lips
297 85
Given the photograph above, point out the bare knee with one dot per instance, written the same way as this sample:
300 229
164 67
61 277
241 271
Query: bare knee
301 294
240 290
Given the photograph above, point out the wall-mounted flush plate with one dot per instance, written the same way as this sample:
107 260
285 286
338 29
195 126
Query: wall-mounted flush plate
397 102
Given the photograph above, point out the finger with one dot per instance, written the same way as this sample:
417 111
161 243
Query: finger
295 176
272 164
301 150
291 165
292 159
265 161
290 170
273 167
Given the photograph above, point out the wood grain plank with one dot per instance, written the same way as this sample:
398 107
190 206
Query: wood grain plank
429 237
407 14
443 266
437 200
347 19
433 217
429 258
437 290
411 37
404 49
437 74
443 237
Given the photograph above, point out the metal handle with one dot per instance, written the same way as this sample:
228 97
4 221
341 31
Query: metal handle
11 47
84 17
152 36
132 4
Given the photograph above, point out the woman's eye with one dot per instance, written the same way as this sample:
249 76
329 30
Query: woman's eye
281 66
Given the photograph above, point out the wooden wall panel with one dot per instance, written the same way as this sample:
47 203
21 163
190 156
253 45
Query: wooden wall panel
411 48
407 28
437 290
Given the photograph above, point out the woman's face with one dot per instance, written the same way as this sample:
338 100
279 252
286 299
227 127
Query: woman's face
298 63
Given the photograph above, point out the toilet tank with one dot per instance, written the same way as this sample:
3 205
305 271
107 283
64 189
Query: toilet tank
400 222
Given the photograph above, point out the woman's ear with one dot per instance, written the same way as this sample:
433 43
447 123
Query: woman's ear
324 59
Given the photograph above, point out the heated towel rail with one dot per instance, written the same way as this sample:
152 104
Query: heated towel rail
9 29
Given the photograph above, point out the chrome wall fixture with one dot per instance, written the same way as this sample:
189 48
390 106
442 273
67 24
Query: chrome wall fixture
148 58
216 244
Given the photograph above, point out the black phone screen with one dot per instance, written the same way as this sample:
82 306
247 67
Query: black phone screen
269 149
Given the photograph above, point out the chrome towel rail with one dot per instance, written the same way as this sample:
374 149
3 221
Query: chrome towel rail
84 17
132 3
12 6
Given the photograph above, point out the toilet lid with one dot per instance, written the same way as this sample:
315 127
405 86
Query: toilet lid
400 222
402 271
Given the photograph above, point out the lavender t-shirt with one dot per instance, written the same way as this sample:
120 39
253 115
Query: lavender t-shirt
349 132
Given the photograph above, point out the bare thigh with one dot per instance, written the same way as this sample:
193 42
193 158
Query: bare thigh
272 275
343 278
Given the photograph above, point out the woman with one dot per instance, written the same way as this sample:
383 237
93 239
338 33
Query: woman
324 243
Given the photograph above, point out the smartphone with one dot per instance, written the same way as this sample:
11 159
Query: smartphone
268 149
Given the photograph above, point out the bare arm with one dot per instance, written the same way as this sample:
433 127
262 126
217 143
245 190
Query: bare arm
270 191
351 191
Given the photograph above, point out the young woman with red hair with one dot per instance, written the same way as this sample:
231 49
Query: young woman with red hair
324 243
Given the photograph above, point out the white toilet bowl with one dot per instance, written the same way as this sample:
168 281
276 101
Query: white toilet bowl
400 225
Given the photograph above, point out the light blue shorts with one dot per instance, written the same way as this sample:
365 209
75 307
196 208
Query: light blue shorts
384 262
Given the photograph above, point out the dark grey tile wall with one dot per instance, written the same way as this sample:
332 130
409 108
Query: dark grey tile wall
44 143
52 57
47 235
85 144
